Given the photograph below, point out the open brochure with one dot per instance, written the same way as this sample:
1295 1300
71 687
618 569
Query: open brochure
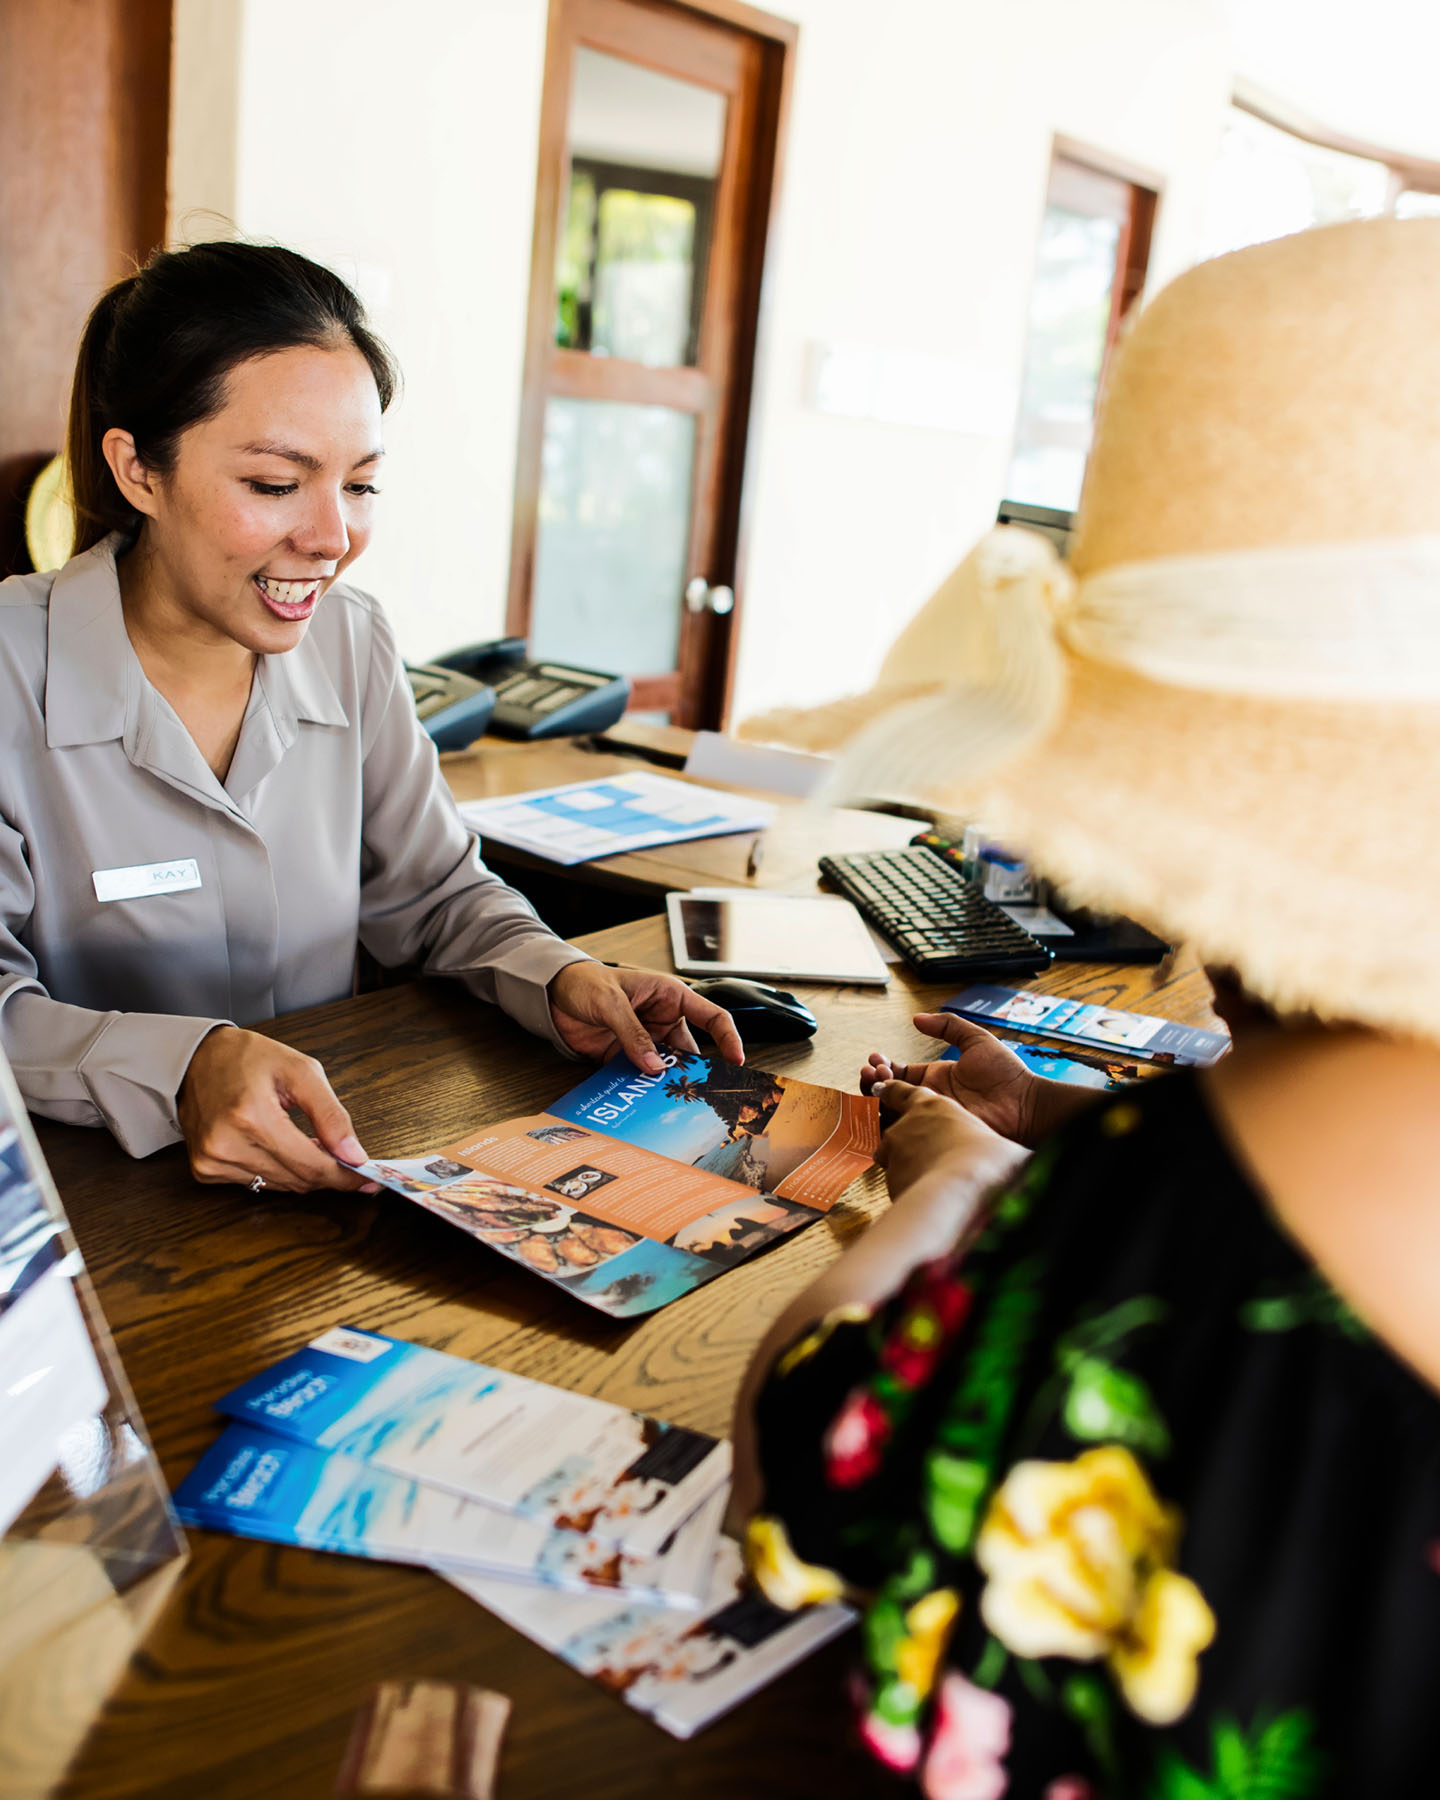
569 1460
634 1189
258 1485
680 1671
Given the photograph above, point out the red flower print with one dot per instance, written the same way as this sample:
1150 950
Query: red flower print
1070 1787
972 1734
937 1308
856 1440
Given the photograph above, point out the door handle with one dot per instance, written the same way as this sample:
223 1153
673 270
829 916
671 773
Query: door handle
701 597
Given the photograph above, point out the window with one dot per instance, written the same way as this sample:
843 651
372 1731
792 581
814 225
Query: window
1089 271
1279 172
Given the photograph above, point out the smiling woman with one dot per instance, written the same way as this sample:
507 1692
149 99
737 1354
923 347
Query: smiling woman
213 785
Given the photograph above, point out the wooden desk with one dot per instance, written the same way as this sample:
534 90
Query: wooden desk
247 1684
791 848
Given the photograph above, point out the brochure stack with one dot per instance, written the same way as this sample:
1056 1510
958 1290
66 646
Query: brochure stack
590 1528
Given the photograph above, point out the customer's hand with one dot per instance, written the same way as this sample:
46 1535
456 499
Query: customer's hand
234 1107
989 1080
598 1010
934 1135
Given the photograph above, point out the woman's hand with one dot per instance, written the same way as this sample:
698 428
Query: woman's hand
989 1080
598 1010
935 1135
234 1107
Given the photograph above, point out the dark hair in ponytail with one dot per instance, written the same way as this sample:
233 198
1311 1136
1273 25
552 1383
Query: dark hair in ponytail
158 346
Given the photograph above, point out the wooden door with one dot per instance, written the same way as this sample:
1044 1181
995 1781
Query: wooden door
658 152
84 115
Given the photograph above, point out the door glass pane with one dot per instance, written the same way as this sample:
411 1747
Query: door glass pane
613 529
1064 353
645 154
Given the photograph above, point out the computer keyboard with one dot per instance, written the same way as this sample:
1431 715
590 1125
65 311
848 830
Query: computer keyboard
939 922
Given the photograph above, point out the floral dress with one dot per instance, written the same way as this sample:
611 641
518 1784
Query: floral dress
1133 1505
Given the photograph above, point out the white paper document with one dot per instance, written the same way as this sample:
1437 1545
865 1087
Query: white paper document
588 819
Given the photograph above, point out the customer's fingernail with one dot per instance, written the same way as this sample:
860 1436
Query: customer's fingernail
370 1187
348 1150
652 1064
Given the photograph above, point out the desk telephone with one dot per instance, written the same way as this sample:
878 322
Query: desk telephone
493 686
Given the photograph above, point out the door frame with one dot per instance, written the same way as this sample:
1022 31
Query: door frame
709 652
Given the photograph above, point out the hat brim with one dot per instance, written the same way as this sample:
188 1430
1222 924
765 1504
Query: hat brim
1275 839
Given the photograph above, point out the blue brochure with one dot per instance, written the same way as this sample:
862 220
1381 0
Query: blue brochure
1100 1027
255 1484
1055 1067
569 1460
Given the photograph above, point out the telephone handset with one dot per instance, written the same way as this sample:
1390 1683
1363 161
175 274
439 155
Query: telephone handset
540 699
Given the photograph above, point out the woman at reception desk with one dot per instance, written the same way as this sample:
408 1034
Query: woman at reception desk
213 786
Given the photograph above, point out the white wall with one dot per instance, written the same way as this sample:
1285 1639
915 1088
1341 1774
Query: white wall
910 216
396 139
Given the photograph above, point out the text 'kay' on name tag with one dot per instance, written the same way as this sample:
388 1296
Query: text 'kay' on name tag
146 878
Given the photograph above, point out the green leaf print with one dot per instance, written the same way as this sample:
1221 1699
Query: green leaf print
1109 1329
1312 1302
1014 1205
1098 1402
1089 1702
1277 1760
954 1488
1106 1404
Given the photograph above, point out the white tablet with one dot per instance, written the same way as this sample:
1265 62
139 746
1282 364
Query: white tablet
806 937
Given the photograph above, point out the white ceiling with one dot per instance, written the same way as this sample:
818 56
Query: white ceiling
1368 68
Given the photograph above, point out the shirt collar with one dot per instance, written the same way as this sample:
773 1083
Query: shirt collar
90 665
93 673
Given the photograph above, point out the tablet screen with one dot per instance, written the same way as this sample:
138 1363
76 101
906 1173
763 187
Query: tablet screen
776 934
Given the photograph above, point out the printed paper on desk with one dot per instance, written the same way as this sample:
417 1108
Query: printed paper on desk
578 1463
616 814
259 1485
682 1672
634 1189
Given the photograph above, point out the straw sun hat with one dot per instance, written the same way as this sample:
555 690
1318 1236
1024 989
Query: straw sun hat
1223 717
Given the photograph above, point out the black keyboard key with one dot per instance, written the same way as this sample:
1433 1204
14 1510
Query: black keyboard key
941 923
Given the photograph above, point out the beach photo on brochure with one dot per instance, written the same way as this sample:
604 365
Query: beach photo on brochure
254 1484
571 1461
633 1189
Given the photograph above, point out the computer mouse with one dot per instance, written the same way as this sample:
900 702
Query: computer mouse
762 1015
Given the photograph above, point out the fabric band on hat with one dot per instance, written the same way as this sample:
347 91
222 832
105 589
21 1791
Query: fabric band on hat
1353 621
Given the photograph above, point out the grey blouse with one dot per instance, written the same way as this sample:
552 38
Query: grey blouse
234 901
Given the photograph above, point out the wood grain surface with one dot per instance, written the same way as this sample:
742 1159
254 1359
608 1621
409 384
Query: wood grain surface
248 1682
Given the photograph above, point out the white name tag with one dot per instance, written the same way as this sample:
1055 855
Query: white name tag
146 878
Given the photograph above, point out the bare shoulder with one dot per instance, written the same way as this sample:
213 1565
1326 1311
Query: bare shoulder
1340 1130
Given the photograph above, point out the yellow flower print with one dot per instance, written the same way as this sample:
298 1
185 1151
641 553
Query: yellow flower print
1155 1660
781 1576
927 1626
813 1340
1078 1557
1121 1119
